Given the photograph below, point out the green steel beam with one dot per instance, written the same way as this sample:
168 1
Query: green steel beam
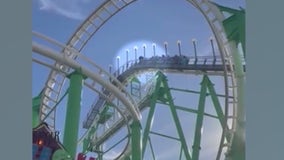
35 109
195 111
179 129
227 9
166 136
217 106
136 141
186 90
234 25
73 113
191 110
197 92
149 121
152 149
199 120
162 93
35 117
180 153
148 128
175 116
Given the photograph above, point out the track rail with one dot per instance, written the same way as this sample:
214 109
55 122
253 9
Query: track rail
95 76
78 40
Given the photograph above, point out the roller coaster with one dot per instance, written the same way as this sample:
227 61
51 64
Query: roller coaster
121 119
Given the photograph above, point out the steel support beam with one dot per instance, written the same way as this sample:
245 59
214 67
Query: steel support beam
150 117
128 102
199 120
217 107
175 117
136 141
73 113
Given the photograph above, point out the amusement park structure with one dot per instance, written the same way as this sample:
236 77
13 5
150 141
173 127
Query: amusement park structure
140 87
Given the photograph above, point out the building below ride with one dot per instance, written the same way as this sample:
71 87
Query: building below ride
47 146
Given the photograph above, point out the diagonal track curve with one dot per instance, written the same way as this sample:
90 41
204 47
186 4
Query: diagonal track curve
119 92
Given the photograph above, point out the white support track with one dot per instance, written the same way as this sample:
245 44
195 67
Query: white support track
119 91
77 41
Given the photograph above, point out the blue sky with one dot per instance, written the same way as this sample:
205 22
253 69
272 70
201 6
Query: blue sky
144 21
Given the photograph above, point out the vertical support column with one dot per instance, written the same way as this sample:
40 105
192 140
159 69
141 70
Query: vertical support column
199 120
73 113
136 141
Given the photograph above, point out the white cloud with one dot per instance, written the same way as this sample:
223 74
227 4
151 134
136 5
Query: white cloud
69 8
